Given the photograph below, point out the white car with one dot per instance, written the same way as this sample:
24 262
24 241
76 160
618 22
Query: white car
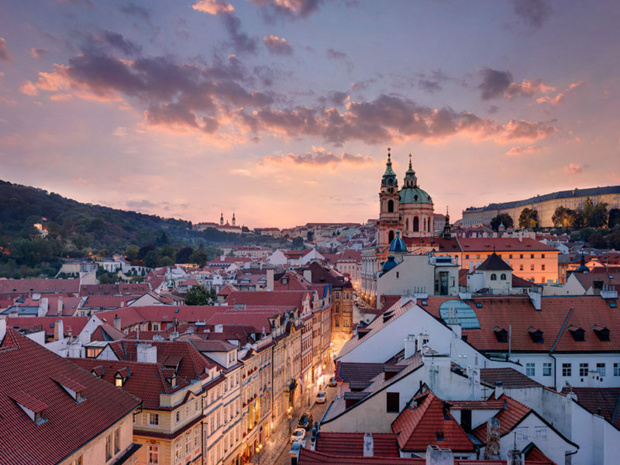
298 435
320 398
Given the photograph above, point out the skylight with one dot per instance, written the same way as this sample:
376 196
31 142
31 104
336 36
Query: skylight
457 312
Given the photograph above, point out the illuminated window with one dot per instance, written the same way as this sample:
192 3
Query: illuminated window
153 455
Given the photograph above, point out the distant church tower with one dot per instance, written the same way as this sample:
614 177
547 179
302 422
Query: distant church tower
233 219
389 219
222 219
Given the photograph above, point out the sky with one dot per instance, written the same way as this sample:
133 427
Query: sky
282 111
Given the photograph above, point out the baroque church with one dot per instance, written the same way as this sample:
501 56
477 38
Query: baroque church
408 210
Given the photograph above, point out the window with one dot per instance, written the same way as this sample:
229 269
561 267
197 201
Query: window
493 277
108 447
196 437
542 256
188 442
531 255
522 433
540 432
117 440
600 367
520 255
583 369
177 450
178 416
153 454
503 277
542 267
154 419
567 369
118 381
466 256
510 256
530 369
393 401
547 369
616 369
532 267
520 267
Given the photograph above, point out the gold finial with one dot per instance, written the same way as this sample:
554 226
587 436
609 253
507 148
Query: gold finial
410 167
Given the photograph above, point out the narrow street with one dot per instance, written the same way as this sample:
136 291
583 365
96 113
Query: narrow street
281 444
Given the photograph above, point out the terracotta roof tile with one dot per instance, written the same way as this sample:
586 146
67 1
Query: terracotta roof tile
352 444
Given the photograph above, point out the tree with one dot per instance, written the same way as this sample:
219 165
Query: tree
199 295
595 216
162 239
597 240
503 218
528 219
151 259
614 217
561 217
200 257
298 243
131 252
310 236
183 255
576 219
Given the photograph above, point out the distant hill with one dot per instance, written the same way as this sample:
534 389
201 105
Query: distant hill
75 227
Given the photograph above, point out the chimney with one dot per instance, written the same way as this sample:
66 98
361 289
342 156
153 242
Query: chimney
492 451
308 275
43 307
499 389
147 353
438 456
59 331
60 306
410 345
369 450
117 322
514 457
270 274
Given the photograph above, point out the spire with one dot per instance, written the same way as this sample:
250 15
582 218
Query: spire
410 177
389 177
233 219
447 232
222 219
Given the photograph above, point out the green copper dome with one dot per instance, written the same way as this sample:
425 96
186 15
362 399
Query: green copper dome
414 195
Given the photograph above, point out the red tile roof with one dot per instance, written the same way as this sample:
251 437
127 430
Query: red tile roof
426 421
600 401
41 286
352 444
509 417
501 244
69 425
71 324
279 298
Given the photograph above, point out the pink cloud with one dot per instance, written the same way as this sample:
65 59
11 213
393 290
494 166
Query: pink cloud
573 168
518 151
213 7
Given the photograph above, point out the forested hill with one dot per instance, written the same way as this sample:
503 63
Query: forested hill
76 229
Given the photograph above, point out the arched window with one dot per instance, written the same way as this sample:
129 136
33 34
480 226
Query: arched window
391 237
390 206
493 277
416 224
503 277
407 224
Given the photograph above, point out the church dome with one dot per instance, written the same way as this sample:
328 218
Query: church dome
414 195
398 245
389 264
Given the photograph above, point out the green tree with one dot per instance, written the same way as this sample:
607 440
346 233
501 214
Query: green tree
503 218
199 295
597 240
595 215
298 243
561 217
576 219
199 257
131 252
151 259
165 261
183 255
614 217
528 219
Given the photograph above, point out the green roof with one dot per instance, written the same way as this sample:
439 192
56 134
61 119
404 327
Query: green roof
414 195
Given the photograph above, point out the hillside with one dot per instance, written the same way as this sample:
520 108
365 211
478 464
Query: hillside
76 229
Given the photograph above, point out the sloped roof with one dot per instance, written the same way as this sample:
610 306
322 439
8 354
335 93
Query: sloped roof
509 377
352 444
503 244
73 324
357 374
600 401
426 421
494 263
41 286
69 425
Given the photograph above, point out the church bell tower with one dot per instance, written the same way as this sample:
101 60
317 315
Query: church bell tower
389 215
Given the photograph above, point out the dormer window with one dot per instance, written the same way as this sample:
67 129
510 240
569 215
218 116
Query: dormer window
120 377
71 387
501 334
602 333
118 380
536 335
31 406
579 335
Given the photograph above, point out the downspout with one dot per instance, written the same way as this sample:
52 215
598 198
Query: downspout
555 362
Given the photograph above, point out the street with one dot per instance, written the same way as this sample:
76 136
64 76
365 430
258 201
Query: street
317 410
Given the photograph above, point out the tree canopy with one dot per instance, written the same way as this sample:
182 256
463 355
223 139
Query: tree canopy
528 219
503 218
199 295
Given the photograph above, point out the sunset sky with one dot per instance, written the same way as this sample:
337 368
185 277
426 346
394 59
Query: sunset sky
282 110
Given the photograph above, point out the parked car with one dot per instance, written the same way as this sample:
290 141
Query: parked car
320 398
332 382
298 435
305 421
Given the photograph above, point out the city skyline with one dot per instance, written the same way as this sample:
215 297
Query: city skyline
282 111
